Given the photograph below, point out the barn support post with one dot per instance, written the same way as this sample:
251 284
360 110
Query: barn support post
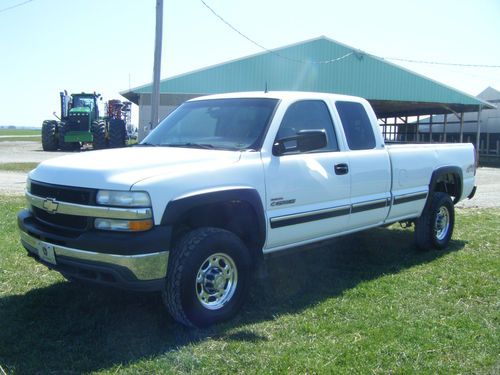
478 130
444 126
461 127
417 134
430 129
406 129
487 142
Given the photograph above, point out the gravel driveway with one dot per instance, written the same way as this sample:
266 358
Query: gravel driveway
12 183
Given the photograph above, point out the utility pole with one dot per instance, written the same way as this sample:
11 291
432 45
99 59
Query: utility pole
155 95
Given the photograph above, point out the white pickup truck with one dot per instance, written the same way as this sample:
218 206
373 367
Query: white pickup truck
227 179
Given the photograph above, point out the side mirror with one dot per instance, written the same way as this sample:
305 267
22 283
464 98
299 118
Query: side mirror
304 141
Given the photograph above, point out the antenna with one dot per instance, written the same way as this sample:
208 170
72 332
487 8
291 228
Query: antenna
265 89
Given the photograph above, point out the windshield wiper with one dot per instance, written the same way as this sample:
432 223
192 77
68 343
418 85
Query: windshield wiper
205 146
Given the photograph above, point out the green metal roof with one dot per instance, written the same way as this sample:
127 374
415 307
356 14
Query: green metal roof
313 66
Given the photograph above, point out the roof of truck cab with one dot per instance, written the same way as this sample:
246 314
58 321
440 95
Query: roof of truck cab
290 95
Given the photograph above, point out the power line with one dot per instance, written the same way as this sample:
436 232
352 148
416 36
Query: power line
15 6
341 57
442 63
267 49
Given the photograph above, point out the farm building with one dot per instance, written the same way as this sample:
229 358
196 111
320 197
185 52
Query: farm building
453 128
321 65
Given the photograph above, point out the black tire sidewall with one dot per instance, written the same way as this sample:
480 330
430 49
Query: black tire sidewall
220 242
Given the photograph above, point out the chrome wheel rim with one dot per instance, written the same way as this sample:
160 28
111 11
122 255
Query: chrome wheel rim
216 281
442 223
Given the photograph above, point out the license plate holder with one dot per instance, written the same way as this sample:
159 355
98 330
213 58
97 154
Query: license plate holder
46 252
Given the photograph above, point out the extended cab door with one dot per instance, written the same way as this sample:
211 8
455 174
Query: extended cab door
307 194
369 164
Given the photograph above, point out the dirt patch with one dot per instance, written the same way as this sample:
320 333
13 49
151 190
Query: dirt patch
24 152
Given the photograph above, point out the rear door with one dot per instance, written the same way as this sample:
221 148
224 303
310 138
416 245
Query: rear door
369 166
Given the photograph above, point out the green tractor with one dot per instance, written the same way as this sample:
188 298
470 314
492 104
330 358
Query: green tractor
80 123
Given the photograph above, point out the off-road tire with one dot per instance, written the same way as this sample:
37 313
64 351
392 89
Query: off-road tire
434 228
99 137
63 145
49 135
117 133
186 261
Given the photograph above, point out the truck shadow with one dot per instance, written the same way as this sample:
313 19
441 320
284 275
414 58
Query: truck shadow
68 327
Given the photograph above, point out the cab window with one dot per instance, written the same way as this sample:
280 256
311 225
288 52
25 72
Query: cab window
357 126
308 115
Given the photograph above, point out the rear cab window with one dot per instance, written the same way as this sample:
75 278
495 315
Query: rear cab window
356 124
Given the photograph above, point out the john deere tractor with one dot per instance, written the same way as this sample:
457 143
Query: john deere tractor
80 123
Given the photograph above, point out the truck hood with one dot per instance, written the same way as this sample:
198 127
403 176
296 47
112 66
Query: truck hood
122 168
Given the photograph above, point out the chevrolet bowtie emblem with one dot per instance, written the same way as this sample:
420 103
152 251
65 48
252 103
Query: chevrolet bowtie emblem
50 205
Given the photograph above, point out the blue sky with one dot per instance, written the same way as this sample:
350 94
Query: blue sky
106 45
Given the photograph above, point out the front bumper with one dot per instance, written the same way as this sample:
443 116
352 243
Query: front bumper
134 261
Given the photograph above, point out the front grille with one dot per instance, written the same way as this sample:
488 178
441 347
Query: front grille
63 194
77 123
61 220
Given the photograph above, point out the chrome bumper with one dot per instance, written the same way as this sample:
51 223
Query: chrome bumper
149 266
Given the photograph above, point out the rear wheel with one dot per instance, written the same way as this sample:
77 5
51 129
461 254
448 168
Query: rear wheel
434 228
207 278
117 133
63 145
100 140
49 135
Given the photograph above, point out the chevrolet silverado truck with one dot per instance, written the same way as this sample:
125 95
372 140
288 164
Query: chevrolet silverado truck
225 180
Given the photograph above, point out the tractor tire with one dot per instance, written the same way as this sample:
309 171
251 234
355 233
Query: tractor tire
49 135
63 145
433 229
207 278
117 133
100 139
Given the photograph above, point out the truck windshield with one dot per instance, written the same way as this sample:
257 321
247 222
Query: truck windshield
232 124
83 102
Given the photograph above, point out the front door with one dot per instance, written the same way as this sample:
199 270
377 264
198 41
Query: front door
307 194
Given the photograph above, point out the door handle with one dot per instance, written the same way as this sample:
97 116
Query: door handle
341 168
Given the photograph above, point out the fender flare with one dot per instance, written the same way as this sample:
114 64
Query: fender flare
177 208
445 170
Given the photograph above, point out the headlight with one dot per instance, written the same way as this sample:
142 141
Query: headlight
123 225
123 198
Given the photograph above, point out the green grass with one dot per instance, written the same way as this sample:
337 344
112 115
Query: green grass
18 132
14 135
17 167
367 303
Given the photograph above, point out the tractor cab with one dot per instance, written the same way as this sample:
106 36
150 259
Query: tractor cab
85 103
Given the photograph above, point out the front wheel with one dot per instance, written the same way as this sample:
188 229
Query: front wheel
207 278
433 229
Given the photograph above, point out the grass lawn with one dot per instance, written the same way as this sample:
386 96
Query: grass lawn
18 132
367 303
17 167
27 135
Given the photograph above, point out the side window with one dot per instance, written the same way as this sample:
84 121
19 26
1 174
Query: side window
308 115
357 126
